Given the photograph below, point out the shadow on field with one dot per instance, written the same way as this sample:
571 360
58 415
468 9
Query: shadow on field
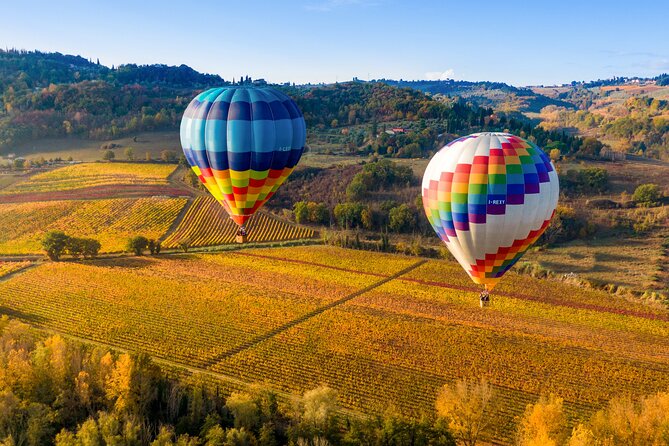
124 262
610 257
20 315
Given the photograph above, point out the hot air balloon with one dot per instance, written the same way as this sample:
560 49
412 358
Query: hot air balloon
489 196
242 142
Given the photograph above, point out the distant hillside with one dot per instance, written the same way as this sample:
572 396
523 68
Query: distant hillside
45 95
630 115
35 69
51 95
497 95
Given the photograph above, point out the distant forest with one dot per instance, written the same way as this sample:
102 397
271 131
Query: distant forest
55 95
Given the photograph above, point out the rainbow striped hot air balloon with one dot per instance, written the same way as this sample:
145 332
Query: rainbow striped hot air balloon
489 196
242 142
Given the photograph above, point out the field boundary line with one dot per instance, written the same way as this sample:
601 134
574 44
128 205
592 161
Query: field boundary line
288 325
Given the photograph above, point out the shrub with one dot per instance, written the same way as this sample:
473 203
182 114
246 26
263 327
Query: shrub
108 155
648 195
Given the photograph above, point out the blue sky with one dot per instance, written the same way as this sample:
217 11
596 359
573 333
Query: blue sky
514 41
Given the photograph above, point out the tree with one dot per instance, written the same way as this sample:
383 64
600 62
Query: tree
555 155
316 414
55 243
75 246
402 218
168 156
238 437
543 423
138 244
591 147
133 384
625 421
348 215
301 212
467 406
129 153
108 155
244 410
648 195
91 247
356 190
215 436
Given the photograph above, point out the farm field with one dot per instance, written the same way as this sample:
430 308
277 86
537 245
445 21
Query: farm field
79 176
206 223
10 267
385 330
189 308
631 261
88 150
110 221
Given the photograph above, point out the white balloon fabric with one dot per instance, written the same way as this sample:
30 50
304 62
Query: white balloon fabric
489 196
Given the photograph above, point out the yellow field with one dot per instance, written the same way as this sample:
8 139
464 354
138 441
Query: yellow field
206 223
78 176
10 267
110 221
298 317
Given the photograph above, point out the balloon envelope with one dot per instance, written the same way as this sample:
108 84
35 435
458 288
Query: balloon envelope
242 142
489 196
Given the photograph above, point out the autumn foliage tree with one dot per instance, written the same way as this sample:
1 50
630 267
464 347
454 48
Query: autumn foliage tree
543 423
467 405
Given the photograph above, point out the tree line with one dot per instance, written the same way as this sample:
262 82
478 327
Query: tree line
65 393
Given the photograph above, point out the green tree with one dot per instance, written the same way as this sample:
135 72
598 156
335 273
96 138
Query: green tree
75 246
348 215
91 247
215 436
648 195
55 244
402 218
318 213
301 211
137 244
129 153
356 190
591 147
108 155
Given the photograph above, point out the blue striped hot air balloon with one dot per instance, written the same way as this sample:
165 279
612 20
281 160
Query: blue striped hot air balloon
242 142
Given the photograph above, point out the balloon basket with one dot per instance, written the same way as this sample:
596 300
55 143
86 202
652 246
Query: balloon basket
241 238
484 303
